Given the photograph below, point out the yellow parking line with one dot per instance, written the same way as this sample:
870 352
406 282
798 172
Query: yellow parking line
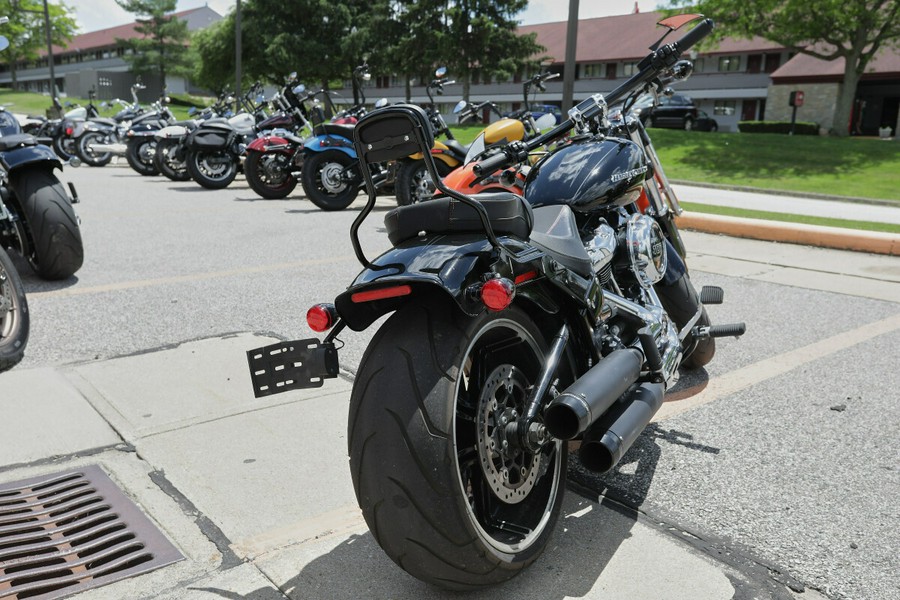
740 379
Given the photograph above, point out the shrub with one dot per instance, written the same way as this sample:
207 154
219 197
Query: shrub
800 128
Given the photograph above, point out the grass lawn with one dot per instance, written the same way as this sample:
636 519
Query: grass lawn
37 104
862 167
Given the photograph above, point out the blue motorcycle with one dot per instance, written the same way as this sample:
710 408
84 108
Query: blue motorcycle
330 177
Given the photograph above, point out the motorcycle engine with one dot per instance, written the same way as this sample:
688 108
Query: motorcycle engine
646 246
602 249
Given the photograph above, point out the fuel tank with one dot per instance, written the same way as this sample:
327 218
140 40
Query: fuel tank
591 175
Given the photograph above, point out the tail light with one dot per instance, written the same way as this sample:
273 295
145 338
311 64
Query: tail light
321 317
497 294
381 294
70 131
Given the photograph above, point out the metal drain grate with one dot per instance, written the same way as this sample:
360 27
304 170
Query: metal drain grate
64 533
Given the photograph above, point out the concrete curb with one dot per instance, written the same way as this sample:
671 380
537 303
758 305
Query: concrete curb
790 193
794 233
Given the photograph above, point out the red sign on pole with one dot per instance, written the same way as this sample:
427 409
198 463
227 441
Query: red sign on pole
796 99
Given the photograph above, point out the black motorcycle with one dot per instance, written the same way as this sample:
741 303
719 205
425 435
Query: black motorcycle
519 324
140 145
215 147
37 217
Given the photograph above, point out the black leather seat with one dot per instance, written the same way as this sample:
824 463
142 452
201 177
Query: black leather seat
332 129
8 142
458 149
508 213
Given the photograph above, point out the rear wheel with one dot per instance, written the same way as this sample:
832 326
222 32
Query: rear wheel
64 146
84 148
444 494
140 153
269 174
324 182
53 245
14 320
212 170
169 159
414 183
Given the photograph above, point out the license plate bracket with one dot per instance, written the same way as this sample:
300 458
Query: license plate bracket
294 365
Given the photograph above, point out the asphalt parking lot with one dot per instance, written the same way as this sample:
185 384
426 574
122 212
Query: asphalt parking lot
779 463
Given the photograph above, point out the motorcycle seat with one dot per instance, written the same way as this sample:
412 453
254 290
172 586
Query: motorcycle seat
332 129
8 142
458 149
556 232
508 213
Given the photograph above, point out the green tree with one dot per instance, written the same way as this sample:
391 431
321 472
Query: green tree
26 33
163 47
852 30
481 37
214 48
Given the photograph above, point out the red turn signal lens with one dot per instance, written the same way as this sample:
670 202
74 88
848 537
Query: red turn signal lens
69 131
497 294
321 317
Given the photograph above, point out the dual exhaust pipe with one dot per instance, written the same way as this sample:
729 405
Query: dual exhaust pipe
590 406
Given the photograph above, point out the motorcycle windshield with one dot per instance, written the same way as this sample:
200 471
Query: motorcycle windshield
475 149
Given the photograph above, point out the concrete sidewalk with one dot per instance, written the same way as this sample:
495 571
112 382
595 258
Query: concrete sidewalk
257 495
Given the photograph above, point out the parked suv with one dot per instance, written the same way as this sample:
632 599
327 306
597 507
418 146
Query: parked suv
676 111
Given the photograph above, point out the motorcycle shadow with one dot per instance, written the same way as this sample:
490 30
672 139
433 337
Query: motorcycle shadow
34 284
597 520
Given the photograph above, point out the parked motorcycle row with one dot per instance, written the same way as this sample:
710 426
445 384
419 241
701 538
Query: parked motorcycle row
540 297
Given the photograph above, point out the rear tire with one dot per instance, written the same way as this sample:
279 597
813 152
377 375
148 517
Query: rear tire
212 170
84 149
414 183
323 183
166 160
140 153
64 147
269 174
14 319
441 495
56 249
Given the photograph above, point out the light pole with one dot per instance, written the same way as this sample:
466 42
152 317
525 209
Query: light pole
237 50
46 13
569 70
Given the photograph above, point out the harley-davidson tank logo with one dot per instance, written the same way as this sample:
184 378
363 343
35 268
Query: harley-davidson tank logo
616 177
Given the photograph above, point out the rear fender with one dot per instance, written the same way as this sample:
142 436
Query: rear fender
172 131
322 143
262 144
450 266
29 155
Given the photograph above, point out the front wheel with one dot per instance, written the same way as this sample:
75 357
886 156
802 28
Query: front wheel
54 246
324 182
84 148
443 492
414 183
64 146
14 320
212 170
269 174
140 153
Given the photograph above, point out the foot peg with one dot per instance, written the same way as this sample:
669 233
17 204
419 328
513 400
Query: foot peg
717 331
712 294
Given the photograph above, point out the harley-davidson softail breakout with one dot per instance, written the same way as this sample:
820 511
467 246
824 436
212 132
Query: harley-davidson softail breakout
518 324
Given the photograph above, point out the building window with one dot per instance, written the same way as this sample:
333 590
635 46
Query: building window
611 70
729 63
591 71
725 108
773 61
629 69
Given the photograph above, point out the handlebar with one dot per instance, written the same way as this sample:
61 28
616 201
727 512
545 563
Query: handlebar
650 67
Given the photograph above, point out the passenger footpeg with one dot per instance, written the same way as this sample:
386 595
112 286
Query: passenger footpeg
284 366
717 331
712 294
